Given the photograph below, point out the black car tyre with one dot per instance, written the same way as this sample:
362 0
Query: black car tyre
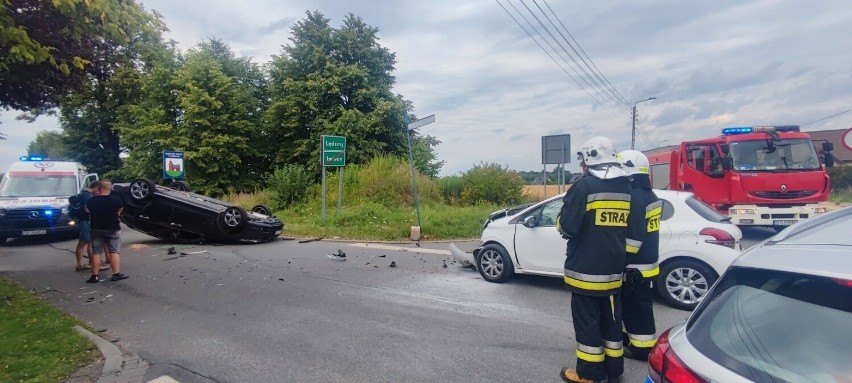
180 185
494 264
233 219
683 283
141 190
262 209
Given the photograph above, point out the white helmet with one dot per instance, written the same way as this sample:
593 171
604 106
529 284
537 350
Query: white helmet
634 162
598 151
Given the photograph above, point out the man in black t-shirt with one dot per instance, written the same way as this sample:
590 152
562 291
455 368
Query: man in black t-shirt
104 210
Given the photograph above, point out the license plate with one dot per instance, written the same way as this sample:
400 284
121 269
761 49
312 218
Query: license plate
33 232
784 222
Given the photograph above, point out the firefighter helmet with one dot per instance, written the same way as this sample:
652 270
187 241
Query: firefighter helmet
598 151
633 162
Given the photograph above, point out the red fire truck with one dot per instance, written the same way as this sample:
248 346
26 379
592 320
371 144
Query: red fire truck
757 175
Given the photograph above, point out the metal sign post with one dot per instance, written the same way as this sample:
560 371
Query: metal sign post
556 150
408 128
333 154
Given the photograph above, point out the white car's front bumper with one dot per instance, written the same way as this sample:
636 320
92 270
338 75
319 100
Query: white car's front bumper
464 258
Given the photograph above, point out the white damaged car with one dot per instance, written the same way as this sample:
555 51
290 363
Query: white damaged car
696 246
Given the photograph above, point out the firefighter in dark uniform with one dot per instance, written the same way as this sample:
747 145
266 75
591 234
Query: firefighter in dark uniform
643 252
594 219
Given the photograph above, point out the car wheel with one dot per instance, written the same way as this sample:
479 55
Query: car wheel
180 185
262 209
233 218
141 190
684 283
494 264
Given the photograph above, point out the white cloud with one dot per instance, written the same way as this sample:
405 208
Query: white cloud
495 93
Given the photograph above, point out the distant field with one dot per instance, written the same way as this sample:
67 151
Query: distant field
537 192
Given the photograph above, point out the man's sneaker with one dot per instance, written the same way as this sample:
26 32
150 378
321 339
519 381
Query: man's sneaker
93 279
118 277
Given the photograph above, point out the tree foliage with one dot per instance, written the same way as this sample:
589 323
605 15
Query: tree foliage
335 82
48 48
49 145
491 183
208 105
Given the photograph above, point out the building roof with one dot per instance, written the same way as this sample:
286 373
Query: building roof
842 154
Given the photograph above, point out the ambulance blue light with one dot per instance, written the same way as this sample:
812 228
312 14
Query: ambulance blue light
48 213
31 158
737 130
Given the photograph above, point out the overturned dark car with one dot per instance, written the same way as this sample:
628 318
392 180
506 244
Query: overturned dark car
177 215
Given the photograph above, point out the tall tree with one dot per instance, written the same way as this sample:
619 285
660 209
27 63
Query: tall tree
47 48
334 81
48 144
210 107
89 114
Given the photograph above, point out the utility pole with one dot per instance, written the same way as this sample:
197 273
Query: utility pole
633 131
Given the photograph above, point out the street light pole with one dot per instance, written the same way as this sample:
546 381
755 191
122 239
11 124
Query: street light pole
633 131
661 142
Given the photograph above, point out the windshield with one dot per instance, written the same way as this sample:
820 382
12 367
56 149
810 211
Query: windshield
773 326
786 154
705 211
33 184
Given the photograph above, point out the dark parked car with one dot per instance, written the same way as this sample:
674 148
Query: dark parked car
182 216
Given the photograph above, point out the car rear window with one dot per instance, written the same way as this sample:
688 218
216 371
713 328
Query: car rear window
772 326
705 211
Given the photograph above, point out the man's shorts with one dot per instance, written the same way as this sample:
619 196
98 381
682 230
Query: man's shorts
85 231
111 237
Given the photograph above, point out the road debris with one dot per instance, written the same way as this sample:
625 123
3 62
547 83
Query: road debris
194 252
171 251
393 264
340 256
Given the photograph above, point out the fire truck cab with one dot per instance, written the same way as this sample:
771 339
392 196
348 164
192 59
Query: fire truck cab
760 176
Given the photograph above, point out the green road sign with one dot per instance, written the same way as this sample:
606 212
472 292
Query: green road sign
333 143
334 158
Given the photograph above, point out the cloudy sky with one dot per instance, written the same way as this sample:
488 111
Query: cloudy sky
495 92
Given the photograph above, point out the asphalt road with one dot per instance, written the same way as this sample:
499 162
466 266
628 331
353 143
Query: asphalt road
285 312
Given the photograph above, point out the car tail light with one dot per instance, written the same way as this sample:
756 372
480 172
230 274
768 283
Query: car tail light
720 237
842 282
665 367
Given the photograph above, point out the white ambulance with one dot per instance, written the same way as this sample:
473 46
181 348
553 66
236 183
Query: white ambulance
34 197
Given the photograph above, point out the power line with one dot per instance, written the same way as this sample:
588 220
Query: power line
594 68
582 77
597 100
586 76
826 118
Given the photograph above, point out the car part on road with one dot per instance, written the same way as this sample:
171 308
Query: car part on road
683 283
494 264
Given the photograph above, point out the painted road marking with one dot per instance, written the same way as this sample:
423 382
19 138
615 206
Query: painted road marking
164 379
401 248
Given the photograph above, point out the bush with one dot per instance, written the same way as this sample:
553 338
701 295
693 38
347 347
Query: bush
288 184
841 177
384 180
491 183
451 189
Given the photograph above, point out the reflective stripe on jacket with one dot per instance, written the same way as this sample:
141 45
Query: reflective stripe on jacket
594 218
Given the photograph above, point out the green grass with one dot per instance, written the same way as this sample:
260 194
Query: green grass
374 221
841 195
38 342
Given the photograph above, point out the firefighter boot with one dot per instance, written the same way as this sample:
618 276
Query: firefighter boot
570 376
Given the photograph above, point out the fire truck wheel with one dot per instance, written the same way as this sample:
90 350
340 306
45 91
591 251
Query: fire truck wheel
494 264
683 283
